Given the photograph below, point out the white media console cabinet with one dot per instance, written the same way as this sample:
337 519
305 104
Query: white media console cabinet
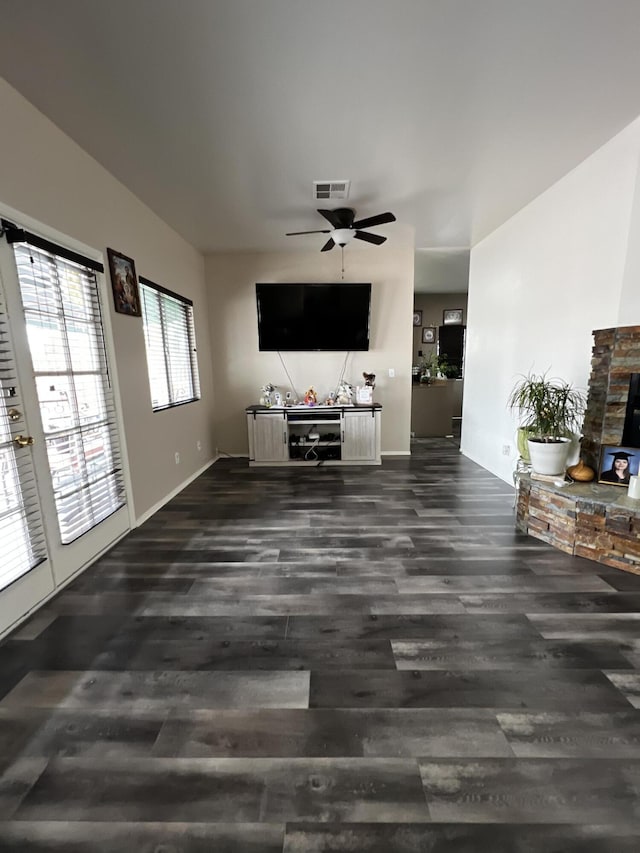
310 435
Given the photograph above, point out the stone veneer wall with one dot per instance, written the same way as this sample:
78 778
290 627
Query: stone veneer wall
615 356
588 522
592 520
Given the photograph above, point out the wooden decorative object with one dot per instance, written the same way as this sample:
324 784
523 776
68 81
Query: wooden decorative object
581 472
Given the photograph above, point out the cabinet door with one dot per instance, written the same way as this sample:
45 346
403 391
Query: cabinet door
270 438
359 436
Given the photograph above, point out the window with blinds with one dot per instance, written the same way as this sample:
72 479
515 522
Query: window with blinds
64 327
170 341
22 545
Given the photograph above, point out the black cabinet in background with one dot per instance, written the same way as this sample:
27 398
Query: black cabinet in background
451 344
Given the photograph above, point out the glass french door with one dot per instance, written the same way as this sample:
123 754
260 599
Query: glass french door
26 575
62 495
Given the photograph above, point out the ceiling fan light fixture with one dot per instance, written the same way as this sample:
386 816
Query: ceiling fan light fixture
344 228
342 236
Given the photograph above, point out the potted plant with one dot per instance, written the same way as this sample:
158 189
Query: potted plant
437 368
550 412
449 371
428 368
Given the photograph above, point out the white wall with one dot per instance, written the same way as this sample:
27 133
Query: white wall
240 369
46 176
630 297
541 283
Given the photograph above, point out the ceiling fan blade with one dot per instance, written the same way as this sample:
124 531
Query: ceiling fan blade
380 219
328 245
296 233
369 238
342 217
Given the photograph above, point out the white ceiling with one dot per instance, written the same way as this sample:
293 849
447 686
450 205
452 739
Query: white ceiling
219 114
441 270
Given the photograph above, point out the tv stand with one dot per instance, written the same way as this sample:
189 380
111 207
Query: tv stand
313 435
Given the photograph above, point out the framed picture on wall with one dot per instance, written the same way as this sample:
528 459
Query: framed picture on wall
124 284
429 335
417 318
452 316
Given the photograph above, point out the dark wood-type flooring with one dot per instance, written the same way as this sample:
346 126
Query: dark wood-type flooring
328 659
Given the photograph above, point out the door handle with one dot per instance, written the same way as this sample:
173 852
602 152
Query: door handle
24 440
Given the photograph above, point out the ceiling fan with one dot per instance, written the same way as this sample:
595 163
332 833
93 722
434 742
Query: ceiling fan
344 228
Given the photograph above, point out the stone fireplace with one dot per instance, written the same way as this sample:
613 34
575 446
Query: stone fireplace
613 407
595 520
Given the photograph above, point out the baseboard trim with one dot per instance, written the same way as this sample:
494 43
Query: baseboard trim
498 474
395 453
154 509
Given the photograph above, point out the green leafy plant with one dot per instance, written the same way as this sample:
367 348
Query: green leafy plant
433 365
449 370
549 409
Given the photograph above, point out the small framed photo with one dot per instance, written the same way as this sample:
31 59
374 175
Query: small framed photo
452 317
124 283
417 318
364 395
618 464
429 335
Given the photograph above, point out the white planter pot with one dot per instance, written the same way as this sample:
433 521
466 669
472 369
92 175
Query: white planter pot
549 457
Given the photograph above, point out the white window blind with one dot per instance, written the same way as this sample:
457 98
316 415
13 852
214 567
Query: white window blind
64 326
170 341
22 545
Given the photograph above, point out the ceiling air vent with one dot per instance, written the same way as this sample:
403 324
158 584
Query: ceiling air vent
323 190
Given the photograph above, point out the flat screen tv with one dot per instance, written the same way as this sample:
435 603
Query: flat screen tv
316 317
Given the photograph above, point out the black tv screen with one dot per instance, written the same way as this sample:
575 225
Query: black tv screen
314 317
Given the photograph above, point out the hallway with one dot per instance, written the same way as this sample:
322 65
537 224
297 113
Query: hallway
328 659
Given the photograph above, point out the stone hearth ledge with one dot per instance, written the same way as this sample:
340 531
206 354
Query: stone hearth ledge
589 520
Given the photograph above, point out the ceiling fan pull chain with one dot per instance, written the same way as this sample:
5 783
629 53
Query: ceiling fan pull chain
342 250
